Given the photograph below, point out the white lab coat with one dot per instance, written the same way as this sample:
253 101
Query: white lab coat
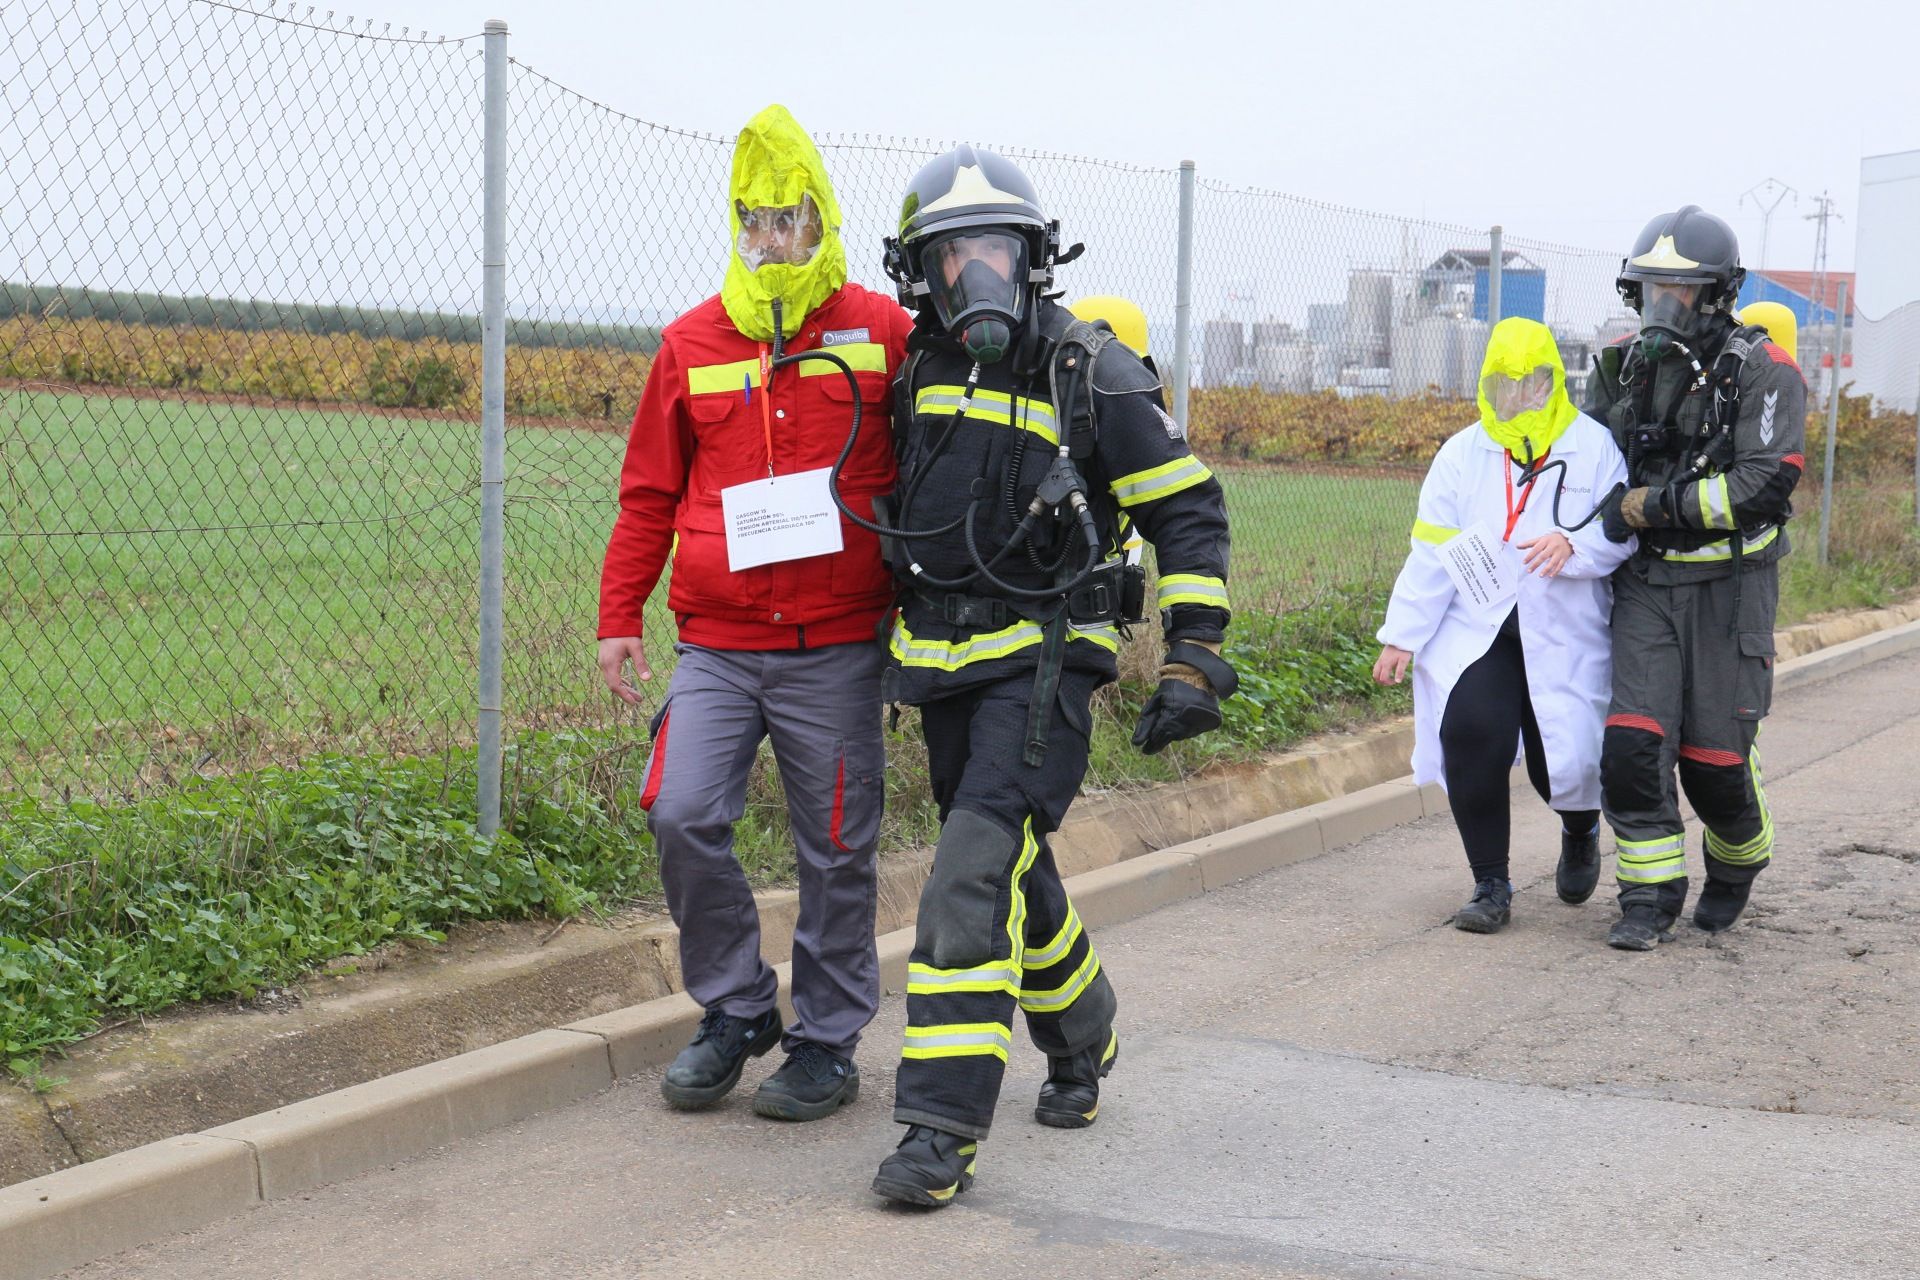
1563 620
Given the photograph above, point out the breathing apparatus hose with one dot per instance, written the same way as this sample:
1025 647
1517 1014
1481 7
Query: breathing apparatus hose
1531 472
846 450
981 567
1088 531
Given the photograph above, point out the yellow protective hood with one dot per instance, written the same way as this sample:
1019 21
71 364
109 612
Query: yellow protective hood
775 163
1516 347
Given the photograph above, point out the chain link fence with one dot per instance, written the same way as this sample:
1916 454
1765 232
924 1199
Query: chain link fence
240 374
236 436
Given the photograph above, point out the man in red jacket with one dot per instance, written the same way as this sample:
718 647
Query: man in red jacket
777 630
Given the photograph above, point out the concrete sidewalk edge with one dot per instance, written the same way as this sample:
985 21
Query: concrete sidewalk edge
67 1218
55 1222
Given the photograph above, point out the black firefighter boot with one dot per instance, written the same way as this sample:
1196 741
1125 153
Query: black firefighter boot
1070 1099
1725 895
929 1167
1647 913
1489 910
1579 871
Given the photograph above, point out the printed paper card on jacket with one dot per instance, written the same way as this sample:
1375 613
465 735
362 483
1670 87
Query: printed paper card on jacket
1483 569
780 518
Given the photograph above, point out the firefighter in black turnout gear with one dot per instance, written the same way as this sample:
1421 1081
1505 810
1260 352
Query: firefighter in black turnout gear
1711 416
1030 444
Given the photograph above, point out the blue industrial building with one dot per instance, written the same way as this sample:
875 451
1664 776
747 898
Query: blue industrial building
1794 290
1458 279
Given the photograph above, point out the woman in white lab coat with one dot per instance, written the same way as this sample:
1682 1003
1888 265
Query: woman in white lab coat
1502 611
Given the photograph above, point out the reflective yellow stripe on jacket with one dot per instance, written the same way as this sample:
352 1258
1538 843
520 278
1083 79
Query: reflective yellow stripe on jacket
1714 552
951 655
1191 588
736 375
991 406
1436 534
1716 505
1159 482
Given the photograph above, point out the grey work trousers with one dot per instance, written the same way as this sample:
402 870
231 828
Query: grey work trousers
1692 679
821 707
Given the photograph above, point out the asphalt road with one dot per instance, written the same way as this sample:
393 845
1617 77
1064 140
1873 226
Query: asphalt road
1319 1078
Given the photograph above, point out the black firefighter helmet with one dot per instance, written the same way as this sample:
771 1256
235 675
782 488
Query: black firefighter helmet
974 249
1686 247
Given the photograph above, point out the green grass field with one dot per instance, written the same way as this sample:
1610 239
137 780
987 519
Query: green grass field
213 585
186 578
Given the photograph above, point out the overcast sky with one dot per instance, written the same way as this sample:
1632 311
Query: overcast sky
1564 120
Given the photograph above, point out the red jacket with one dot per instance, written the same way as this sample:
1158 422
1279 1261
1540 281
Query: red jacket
696 433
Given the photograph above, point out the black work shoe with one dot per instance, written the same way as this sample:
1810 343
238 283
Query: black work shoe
1070 1099
1488 910
1720 904
708 1067
813 1082
1641 928
1579 870
929 1167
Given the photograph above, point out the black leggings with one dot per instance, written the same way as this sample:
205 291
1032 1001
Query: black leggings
1486 709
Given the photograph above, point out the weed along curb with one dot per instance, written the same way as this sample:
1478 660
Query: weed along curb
113 1203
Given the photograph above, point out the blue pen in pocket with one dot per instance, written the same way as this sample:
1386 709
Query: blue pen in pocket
746 389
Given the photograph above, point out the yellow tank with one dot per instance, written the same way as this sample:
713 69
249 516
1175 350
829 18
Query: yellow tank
1778 321
1128 322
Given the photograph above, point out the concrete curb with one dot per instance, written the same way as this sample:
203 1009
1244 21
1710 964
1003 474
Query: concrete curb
1850 656
61 1220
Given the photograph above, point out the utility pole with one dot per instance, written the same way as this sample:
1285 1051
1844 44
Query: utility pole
1758 196
1818 294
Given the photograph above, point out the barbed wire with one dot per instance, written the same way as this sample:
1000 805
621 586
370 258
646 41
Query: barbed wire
346 30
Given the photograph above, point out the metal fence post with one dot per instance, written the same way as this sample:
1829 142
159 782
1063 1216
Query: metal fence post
493 419
1833 421
1183 297
1496 262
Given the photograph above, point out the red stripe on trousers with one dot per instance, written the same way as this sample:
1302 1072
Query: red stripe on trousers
1648 723
651 791
1707 755
839 806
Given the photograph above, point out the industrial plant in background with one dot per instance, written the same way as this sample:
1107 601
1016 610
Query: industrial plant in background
1399 333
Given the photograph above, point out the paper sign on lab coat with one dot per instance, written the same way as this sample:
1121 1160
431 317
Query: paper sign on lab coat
1483 571
780 518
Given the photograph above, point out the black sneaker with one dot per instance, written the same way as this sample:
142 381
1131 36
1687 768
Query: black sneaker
1579 871
929 1167
1070 1099
709 1066
813 1082
1641 928
1720 904
1489 910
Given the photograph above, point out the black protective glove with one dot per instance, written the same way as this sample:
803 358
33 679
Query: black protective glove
1193 679
1612 523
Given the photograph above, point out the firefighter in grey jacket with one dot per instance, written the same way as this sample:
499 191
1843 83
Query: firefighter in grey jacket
1030 444
1711 416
